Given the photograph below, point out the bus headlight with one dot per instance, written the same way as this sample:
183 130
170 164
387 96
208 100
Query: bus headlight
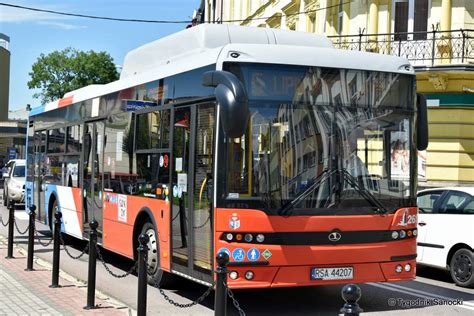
403 234
398 269
394 234
229 236
415 232
260 238
248 237
407 267
233 275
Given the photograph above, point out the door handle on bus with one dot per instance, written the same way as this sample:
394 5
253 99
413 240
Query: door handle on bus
422 223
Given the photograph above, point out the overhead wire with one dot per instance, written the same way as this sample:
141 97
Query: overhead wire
154 21
92 16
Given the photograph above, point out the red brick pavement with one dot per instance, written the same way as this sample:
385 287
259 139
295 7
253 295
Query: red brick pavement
70 298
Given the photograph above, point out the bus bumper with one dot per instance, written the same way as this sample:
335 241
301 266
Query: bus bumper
292 276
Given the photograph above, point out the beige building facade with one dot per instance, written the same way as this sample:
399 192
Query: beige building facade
436 36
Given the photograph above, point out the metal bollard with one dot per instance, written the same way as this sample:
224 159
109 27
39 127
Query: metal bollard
351 293
92 265
220 301
142 249
56 244
31 239
11 222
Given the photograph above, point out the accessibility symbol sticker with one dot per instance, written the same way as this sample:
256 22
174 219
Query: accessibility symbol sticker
238 254
266 254
253 254
227 251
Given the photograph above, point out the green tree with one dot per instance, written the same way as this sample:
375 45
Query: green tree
62 71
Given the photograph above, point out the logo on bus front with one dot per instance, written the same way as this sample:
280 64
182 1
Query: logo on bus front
234 221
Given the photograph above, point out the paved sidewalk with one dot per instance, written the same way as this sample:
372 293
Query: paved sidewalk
28 293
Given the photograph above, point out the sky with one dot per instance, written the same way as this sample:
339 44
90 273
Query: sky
34 33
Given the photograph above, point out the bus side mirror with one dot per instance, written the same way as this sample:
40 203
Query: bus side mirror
232 100
421 122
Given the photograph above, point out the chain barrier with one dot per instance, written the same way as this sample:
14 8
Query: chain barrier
177 214
195 227
18 229
180 305
204 224
39 240
118 276
4 224
67 251
234 300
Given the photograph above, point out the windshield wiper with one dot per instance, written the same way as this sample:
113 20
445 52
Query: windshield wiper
289 205
366 194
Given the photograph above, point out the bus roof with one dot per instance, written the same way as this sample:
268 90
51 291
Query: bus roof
208 44
207 37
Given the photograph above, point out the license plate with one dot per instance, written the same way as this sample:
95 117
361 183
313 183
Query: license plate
341 273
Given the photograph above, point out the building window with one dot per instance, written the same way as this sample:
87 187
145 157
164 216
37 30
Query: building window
421 19
401 21
410 16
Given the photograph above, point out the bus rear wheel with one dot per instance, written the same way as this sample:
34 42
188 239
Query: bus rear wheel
156 276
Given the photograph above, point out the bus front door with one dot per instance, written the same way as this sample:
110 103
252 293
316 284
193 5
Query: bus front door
191 215
93 160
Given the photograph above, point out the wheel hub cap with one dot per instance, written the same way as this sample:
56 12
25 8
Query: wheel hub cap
152 260
462 267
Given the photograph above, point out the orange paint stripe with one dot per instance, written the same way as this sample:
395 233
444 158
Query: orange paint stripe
65 102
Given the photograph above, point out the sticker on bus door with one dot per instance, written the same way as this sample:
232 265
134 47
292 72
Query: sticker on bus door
122 208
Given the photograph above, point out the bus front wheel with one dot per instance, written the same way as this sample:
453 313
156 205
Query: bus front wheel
156 276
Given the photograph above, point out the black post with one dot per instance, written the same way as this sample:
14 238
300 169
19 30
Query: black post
142 274
351 293
360 38
92 265
56 236
433 48
31 239
220 301
11 216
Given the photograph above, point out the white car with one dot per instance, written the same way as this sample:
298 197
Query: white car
14 185
446 231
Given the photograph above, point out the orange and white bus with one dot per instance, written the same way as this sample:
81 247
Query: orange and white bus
297 159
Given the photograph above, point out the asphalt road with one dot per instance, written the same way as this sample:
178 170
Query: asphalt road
418 296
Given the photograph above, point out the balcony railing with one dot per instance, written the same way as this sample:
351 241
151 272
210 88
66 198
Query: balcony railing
430 48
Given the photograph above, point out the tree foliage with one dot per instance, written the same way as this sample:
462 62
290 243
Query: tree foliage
62 71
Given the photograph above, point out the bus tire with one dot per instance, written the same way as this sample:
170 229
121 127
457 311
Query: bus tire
156 276
461 268
51 217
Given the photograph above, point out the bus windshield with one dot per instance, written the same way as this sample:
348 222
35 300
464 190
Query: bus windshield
321 141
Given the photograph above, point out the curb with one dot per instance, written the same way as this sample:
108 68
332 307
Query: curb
76 281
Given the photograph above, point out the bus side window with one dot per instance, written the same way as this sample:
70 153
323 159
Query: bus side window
153 175
152 154
119 162
71 171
